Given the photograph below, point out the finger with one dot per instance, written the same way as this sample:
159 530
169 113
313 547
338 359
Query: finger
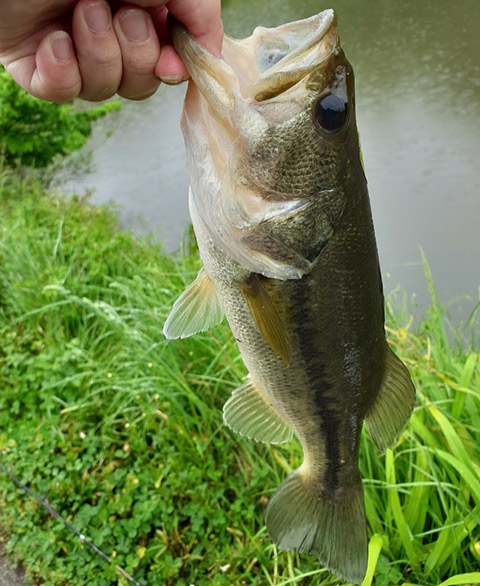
51 73
140 51
98 51
202 19
170 68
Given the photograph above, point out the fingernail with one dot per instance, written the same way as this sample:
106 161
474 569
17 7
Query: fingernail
134 24
62 47
174 80
97 17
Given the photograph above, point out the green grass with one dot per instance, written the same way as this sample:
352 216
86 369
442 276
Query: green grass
122 430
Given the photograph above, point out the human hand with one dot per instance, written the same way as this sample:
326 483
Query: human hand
58 50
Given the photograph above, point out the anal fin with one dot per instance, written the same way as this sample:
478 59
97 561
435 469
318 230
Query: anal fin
393 404
248 413
198 308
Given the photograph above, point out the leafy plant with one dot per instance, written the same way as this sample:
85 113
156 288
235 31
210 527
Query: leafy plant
34 133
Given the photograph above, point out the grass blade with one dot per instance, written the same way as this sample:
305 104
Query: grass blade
374 548
462 579
394 501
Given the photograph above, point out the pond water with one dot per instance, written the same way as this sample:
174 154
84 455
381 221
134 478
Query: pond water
417 67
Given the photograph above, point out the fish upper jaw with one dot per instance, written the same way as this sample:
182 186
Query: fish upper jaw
288 54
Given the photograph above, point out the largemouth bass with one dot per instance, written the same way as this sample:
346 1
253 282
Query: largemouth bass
281 213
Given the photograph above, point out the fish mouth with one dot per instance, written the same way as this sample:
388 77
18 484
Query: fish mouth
262 66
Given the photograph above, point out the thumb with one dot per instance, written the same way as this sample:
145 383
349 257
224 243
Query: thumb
51 73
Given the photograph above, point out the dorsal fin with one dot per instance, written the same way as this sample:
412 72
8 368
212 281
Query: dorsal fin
198 308
266 317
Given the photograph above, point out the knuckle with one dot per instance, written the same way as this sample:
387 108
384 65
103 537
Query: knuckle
141 59
104 59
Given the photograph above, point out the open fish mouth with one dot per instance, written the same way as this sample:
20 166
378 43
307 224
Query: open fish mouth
262 66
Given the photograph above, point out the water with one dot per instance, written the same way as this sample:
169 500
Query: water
417 67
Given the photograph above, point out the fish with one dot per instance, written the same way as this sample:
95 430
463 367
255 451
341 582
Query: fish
280 209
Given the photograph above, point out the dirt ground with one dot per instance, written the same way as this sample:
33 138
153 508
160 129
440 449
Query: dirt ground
10 577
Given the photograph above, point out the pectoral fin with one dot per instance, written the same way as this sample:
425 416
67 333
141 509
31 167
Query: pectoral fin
248 413
266 317
198 308
393 405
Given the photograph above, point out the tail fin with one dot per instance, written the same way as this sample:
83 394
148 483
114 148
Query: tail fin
333 528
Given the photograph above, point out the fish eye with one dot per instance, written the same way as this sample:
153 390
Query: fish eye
331 113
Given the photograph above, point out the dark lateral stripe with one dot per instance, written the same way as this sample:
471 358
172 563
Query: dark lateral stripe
304 324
